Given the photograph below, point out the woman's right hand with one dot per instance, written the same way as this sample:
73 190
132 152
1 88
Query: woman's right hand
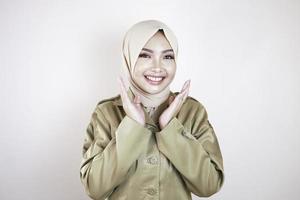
132 108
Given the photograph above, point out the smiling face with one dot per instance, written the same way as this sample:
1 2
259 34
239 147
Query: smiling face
155 66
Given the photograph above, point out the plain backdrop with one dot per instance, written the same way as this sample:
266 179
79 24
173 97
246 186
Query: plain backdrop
59 58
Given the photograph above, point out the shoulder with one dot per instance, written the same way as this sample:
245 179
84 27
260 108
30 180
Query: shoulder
106 105
195 105
192 113
107 101
105 110
192 102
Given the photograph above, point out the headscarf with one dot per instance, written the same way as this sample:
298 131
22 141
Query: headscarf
135 39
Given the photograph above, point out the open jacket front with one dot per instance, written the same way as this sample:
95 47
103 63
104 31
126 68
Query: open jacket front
124 160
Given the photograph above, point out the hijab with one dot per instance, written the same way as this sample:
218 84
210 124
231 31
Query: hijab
135 39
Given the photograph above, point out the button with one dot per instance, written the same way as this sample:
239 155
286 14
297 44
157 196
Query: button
188 135
152 160
151 191
151 127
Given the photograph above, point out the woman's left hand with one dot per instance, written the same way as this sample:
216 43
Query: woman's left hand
174 105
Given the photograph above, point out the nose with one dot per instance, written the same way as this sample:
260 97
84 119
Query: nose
156 70
157 65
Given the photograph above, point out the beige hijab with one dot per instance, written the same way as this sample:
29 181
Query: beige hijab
135 39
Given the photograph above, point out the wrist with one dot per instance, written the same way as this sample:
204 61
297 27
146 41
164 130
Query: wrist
143 123
162 125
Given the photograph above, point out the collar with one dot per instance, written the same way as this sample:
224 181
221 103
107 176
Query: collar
118 99
149 121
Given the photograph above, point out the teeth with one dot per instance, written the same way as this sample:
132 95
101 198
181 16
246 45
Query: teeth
154 78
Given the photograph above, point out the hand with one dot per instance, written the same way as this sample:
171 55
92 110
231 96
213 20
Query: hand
174 105
133 109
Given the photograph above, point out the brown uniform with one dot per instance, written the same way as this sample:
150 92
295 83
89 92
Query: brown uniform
124 160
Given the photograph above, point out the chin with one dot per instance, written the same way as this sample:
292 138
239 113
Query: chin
152 90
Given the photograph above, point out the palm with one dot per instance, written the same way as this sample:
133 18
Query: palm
174 105
132 108
138 111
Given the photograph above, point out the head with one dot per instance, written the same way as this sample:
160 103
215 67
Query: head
149 52
155 67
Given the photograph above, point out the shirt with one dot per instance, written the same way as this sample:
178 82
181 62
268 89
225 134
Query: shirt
122 159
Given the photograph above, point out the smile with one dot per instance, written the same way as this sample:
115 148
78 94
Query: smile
154 80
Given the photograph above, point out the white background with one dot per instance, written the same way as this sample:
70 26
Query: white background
59 58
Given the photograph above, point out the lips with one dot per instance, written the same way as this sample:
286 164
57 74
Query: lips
154 80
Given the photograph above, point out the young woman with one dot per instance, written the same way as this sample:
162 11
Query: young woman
149 142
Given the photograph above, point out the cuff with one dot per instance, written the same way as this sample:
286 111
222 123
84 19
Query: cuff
173 134
131 141
173 126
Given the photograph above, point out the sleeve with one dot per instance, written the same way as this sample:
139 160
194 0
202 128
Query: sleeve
195 154
105 162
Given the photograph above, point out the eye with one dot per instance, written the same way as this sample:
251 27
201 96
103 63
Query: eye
143 55
169 57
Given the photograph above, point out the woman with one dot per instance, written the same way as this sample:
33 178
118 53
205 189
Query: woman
149 142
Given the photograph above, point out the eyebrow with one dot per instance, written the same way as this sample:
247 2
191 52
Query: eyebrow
151 51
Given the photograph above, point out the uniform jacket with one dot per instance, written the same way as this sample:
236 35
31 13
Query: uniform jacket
124 160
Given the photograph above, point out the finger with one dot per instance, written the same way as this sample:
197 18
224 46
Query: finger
124 91
178 99
182 96
136 99
124 96
186 91
188 87
185 86
171 99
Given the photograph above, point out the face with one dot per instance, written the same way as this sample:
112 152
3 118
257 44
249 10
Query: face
155 67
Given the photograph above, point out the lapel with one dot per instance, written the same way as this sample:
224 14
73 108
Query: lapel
149 121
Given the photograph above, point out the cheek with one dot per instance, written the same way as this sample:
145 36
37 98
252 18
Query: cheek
171 69
138 76
140 67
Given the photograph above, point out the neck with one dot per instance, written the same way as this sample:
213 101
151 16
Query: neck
151 100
